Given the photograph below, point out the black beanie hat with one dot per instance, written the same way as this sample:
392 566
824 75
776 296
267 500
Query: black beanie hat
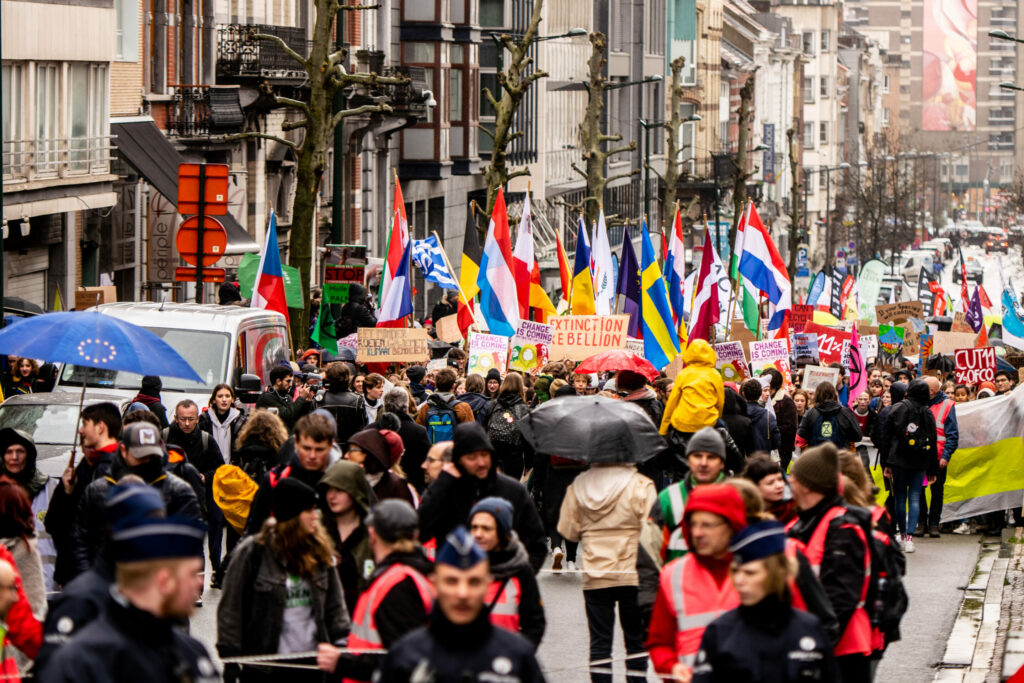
416 373
818 469
290 497
469 437
493 373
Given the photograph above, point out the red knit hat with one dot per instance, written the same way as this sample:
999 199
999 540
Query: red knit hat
395 446
718 499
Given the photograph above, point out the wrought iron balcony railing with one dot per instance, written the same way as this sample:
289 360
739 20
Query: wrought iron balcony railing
199 111
240 54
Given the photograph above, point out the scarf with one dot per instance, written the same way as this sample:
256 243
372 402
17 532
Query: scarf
221 431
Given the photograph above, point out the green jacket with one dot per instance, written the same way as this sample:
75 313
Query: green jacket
670 508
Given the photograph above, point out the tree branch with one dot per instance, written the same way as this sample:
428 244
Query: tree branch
655 171
289 102
365 109
490 98
601 137
520 172
293 125
285 48
356 8
481 127
620 149
263 136
617 176
578 169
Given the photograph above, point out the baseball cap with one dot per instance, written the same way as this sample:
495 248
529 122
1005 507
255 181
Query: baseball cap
142 440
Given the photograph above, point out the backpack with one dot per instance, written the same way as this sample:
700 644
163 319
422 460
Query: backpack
503 424
828 428
441 419
918 437
887 596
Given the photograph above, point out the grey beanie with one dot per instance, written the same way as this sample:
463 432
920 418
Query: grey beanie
707 440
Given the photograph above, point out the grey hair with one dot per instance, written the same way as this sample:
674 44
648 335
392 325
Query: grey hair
396 401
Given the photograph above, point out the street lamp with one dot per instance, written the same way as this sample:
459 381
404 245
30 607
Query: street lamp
1009 85
1003 35
647 124
653 78
497 36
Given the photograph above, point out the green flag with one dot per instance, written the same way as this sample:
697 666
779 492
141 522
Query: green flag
324 334
247 268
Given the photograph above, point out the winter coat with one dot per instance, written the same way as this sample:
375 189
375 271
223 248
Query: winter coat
155 406
80 603
448 500
648 401
785 417
355 557
952 428
30 567
512 562
605 508
224 433
349 411
447 653
129 644
770 642
40 489
477 402
849 429
512 405
698 394
24 631
734 415
880 435
764 430
899 420
463 412
259 510
89 531
255 458
354 314
288 410
251 610
200 448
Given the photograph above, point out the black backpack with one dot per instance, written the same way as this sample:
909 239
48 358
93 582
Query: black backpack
918 437
887 596
503 423
828 428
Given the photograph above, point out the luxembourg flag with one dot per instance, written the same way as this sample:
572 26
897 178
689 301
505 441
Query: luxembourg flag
764 267
499 300
396 300
268 293
522 259
675 270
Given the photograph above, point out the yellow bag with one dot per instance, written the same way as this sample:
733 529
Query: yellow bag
233 491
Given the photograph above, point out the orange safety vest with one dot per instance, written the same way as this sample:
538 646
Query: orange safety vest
505 605
856 638
364 633
941 412
696 601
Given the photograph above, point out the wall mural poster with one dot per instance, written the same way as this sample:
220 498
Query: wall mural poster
949 65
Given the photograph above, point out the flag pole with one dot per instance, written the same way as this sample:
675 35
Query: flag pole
735 283
448 264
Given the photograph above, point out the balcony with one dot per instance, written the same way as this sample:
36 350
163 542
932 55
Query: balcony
242 56
203 111
28 160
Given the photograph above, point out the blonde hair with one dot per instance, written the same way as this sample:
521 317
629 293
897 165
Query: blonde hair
781 568
134 575
856 476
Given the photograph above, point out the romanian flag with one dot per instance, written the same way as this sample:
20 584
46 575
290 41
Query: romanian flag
268 290
470 268
661 342
564 270
581 301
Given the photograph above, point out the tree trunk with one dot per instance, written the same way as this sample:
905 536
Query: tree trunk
675 121
590 129
739 190
794 211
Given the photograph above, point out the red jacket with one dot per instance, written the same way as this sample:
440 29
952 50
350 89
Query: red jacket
23 630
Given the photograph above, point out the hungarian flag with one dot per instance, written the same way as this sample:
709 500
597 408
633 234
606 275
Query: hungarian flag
268 291
470 268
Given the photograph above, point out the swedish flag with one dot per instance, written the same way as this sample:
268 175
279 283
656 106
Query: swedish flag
661 342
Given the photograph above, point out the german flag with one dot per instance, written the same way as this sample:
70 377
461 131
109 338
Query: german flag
469 269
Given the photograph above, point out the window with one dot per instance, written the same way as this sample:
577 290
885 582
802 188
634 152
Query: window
419 52
13 132
492 12
688 50
808 89
826 40
127 30
808 134
808 42
655 19
687 134
823 132
420 11
621 39
46 117
885 83
885 118
809 182
823 87
455 98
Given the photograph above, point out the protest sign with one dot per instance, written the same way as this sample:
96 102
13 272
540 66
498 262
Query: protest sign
336 292
800 316
830 342
447 328
816 374
911 340
890 346
577 337
392 345
487 351
437 364
635 346
960 323
805 348
739 332
732 361
901 310
530 347
948 342
770 353
869 346
865 329
351 341
975 365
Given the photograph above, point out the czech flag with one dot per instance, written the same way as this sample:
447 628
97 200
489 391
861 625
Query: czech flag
764 267
499 301
268 292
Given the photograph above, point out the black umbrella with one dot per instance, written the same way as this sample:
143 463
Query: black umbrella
18 305
593 429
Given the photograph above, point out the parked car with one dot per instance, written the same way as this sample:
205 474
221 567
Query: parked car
997 242
890 282
914 261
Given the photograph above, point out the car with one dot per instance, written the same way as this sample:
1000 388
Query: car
902 287
975 271
914 261
997 242
51 420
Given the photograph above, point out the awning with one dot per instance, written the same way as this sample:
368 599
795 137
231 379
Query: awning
149 151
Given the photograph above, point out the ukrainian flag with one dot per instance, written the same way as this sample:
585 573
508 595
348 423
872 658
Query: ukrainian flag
661 342
581 301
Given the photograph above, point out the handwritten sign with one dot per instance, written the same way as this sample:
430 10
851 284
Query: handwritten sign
816 374
911 340
901 310
890 346
447 328
530 347
975 365
960 323
800 316
487 351
771 353
577 337
805 348
392 345
869 346
732 361
830 342
635 346
948 342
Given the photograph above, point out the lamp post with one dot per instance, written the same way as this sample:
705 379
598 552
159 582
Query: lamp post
647 124
892 247
827 170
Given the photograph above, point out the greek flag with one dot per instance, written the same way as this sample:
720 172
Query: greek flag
429 258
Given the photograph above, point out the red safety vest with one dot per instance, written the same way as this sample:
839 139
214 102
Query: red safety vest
877 512
941 412
856 637
792 547
364 633
505 606
696 600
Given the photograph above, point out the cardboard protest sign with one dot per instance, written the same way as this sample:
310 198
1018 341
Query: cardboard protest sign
901 310
447 328
975 365
739 332
732 361
392 345
830 342
635 346
960 323
948 342
487 351
816 374
865 329
890 346
437 364
351 341
577 337
805 348
800 316
530 347
869 346
771 353
911 340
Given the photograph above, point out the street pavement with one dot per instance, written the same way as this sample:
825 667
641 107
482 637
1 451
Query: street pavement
936 574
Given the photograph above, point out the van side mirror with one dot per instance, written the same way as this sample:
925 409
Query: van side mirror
249 388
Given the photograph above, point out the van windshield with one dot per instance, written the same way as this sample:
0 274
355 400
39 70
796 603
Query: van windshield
206 352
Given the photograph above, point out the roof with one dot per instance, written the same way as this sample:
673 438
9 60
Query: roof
62 398
210 317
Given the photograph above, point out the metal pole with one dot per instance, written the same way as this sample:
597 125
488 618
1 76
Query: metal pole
828 220
338 175
199 233
647 168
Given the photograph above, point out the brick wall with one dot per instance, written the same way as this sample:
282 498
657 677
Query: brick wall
126 80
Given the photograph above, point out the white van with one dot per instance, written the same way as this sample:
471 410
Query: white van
221 343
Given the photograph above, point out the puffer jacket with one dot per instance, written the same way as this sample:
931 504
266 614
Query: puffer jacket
604 508
698 394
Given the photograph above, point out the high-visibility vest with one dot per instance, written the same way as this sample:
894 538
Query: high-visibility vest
941 412
696 600
364 633
796 597
856 638
877 512
505 605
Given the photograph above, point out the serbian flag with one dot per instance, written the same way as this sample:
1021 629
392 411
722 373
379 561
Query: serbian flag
268 292
398 241
705 304
499 301
764 267
522 260
675 269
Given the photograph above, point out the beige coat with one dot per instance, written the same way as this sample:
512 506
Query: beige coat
605 508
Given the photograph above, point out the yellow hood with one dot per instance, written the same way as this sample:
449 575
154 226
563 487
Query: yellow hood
699 352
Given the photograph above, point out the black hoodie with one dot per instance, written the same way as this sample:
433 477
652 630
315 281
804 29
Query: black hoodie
30 478
849 428
880 430
911 410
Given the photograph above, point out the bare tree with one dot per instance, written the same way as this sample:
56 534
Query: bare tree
1013 196
326 75
795 230
740 173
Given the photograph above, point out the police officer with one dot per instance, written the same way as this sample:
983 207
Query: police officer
158 564
460 644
